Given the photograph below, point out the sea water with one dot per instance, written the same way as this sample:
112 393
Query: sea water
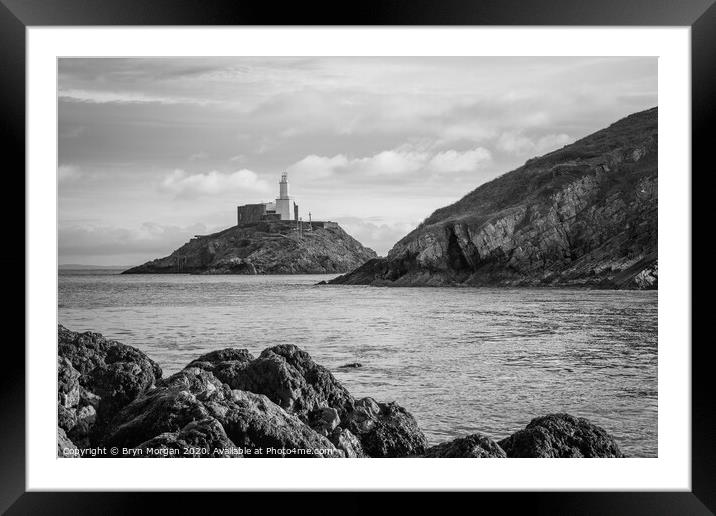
461 360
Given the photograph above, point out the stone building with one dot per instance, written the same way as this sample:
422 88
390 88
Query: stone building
280 209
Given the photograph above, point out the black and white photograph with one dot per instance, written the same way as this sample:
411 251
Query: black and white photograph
357 257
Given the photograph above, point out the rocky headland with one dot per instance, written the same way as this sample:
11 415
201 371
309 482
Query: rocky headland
266 247
113 402
581 216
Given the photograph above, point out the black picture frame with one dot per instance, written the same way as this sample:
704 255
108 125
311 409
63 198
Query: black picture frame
17 15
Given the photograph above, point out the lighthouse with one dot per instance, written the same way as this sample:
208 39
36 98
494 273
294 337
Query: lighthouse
283 201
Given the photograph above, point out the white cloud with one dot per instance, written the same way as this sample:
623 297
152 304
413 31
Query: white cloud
516 143
473 131
316 167
454 161
399 161
125 97
389 162
213 183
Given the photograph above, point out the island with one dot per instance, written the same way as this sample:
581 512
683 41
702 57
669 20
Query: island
269 238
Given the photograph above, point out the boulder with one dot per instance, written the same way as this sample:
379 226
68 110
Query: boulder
324 420
96 378
385 429
474 445
289 377
225 364
202 438
68 385
66 417
352 365
258 422
87 351
249 420
110 394
560 436
345 440
65 446
75 415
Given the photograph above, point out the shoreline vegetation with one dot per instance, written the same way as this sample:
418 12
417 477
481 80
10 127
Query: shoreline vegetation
114 402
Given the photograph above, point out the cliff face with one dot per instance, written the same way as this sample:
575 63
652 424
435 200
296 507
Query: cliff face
584 215
270 247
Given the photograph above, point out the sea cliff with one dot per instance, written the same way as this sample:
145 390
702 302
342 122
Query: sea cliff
583 215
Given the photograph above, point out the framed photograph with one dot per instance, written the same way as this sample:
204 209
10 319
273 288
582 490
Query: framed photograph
425 242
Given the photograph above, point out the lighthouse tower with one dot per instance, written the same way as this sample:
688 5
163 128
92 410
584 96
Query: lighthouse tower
283 201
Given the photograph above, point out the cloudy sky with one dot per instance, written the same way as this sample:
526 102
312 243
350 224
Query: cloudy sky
153 151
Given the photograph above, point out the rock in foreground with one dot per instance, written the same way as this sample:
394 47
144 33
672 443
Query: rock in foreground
268 247
227 403
96 378
169 413
475 445
290 378
561 436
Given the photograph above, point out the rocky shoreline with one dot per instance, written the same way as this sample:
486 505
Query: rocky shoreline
584 215
112 401
267 247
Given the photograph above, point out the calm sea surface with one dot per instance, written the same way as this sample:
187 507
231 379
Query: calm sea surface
460 360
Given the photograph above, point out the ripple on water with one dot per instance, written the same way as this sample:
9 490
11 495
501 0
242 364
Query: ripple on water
460 360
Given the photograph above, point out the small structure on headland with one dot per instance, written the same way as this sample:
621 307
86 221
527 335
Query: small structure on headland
280 209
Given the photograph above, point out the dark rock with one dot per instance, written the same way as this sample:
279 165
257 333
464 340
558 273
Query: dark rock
292 380
260 422
363 415
118 383
65 446
583 215
248 419
87 351
345 440
112 395
385 429
648 278
324 420
475 445
203 438
226 364
269 247
560 436
66 417
68 385
89 398
96 378
289 377
86 417
352 365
